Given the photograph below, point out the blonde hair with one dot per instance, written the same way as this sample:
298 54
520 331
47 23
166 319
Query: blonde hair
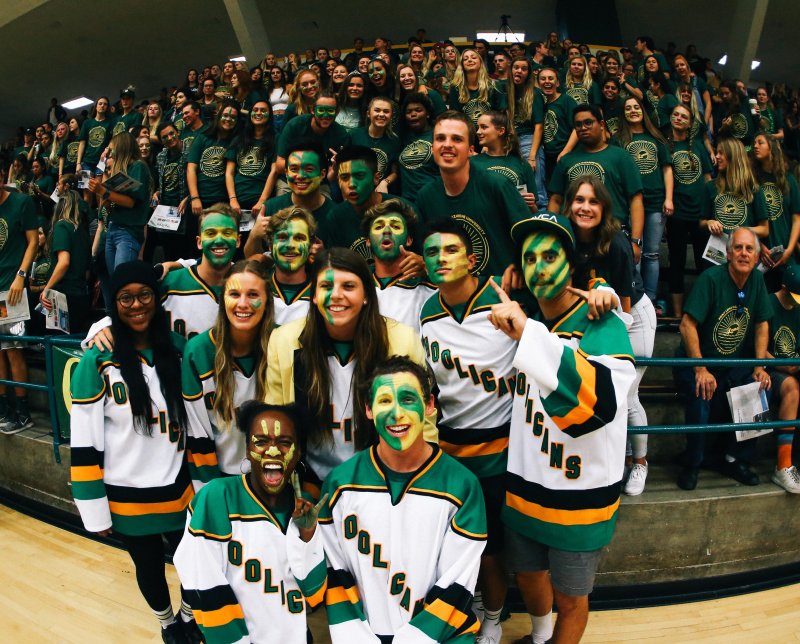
525 101
737 178
296 96
485 83
586 81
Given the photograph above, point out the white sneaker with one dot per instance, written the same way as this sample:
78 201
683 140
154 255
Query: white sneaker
636 480
490 638
788 478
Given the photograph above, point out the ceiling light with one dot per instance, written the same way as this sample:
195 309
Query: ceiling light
75 103
238 59
501 36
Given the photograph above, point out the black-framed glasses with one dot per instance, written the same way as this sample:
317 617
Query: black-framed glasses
585 124
144 298
740 302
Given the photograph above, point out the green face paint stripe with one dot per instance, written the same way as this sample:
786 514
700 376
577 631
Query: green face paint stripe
400 386
378 236
256 303
280 247
219 223
324 303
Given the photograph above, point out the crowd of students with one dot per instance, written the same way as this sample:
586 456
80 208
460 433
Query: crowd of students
430 206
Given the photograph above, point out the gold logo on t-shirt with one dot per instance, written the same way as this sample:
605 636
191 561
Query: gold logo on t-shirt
730 210
774 198
785 343
730 330
586 167
480 242
645 154
211 161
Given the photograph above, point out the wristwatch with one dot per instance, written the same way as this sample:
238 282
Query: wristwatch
637 241
106 195
22 273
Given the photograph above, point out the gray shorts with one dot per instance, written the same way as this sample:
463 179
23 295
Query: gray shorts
571 573
16 328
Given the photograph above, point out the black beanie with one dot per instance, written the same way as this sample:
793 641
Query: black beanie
135 272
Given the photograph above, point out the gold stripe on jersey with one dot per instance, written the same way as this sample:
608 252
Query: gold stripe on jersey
163 507
202 459
277 291
497 446
86 473
587 516
450 615
338 594
210 535
218 617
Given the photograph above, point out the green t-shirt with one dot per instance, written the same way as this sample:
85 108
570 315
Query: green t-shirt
123 123
134 219
510 166
209 155
663 65
487 209
688 168
188 136
612 115
661 108
17 215
650 156
742 124
387 148
732 211
417 167
22 149
558 124
726 323
252 169
97 135
496 101
612 165
580 94
75 241
771 120
336 137
781 209
70 153
526 126
784 330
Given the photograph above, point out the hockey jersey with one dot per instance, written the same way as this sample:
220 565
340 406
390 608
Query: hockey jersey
286 383
122 478
246 571
402 300
289 304
568 428
213 446
191 304
472 363
402 561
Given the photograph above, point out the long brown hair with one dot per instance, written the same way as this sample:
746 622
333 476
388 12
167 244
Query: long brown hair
370 346
221 336
625 134
609 226
774 165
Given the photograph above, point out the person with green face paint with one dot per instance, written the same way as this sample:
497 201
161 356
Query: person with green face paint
566 446
389 230
320 126
292 232
475 409
423 515
190 294
280 534
358 176
305 170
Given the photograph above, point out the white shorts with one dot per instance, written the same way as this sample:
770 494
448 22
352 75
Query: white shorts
15 328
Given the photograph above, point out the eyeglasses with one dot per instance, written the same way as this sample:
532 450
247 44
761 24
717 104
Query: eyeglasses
144 298
584 124
740 302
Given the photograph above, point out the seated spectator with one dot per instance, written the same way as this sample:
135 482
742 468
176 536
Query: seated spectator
725 316
785 391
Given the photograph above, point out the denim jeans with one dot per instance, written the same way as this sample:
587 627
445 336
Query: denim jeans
525 145
121 247
654 223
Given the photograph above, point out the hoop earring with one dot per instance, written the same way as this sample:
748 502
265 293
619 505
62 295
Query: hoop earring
241 465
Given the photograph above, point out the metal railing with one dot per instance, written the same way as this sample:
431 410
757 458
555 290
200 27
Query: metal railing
75 342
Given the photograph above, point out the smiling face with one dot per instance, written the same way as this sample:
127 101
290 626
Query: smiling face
309 84
451 146
356 181
228 118
291 244
398 408
407 78
219 239
387 234
245 296
339 73
355 88
303 172
548 82
722 160
273 452
610 91
259 113
487 132
633 111
137 316
651 64
446 258
339 297
545 265
586 211
470 60
380 113
325 111
742 256
377 73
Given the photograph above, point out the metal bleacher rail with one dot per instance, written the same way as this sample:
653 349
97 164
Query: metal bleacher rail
75 342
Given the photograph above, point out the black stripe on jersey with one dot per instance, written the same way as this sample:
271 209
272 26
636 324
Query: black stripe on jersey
473 435
338 578
456 596
81 456
436 495
337 493
213 598
124 494
202 534
302 294
200 445
605 407
205 286
433 318
594 498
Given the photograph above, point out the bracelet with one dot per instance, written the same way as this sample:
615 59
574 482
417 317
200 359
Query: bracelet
195 198
232 199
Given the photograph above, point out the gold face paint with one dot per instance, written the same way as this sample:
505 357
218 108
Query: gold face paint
545 265
445 257
273 455
398 407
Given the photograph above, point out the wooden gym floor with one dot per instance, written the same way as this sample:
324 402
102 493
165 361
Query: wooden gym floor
56 586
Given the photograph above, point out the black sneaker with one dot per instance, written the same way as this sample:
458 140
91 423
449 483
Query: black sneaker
16 424
192 632
173 634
